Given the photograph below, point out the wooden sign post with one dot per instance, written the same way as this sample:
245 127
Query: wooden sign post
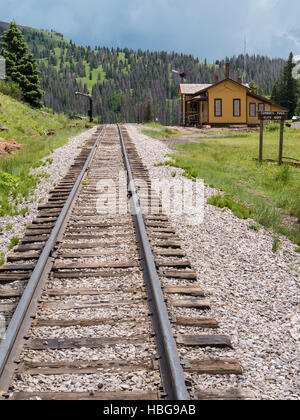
261 140
281 142
271 116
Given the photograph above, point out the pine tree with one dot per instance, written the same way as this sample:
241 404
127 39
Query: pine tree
275 96
149 117
289 87
285 91
253 86
21 67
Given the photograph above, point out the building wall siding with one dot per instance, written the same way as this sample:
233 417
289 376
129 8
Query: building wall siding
251 100
228 91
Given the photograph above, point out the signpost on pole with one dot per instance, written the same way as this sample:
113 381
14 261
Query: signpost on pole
279 116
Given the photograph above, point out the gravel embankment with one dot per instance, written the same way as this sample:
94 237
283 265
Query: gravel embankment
63 158
254 292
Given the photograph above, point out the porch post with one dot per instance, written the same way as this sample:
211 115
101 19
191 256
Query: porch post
183 111
200 106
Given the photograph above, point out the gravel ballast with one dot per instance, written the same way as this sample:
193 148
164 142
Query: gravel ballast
253 292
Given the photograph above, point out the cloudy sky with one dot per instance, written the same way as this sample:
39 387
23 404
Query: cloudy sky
211 29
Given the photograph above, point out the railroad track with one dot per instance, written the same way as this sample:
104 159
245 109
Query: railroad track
108 305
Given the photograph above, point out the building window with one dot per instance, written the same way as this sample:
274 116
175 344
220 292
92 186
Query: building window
218 107
236 107
252 112
261 107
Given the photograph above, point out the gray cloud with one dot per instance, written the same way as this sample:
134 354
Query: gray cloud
212 29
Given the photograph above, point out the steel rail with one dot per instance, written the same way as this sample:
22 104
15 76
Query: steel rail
174 382
20 312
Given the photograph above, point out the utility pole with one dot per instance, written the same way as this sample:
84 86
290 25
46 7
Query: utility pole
245 53
90 112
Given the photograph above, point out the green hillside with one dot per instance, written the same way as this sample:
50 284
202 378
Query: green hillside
122 81
29 128
23 121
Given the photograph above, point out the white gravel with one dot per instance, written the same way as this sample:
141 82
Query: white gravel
104 381
63 158
254 292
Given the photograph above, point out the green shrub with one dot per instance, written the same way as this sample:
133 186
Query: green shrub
237 209
255 226
8 181
272 127
276 244
14 242
283 174
9 227
12 89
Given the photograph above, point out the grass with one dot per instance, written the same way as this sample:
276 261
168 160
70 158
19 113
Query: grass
13 242
255 226
276 244
28 127
226 202
272 192
159 131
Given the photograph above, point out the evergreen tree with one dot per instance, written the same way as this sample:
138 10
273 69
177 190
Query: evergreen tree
275 96
149 117
285 92
297 110
21 67
253 86
289 87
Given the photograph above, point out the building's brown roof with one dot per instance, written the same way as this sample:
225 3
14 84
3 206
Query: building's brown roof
244 85
191 89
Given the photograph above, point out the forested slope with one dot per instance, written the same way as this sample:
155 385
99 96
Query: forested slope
122 81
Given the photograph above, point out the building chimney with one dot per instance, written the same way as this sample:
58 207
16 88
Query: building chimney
239 80
227 70
216 78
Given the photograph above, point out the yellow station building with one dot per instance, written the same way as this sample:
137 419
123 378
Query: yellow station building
223 103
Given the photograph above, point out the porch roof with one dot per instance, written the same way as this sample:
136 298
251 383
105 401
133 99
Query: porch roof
199 98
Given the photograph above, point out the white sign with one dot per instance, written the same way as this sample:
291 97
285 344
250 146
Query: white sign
2 68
